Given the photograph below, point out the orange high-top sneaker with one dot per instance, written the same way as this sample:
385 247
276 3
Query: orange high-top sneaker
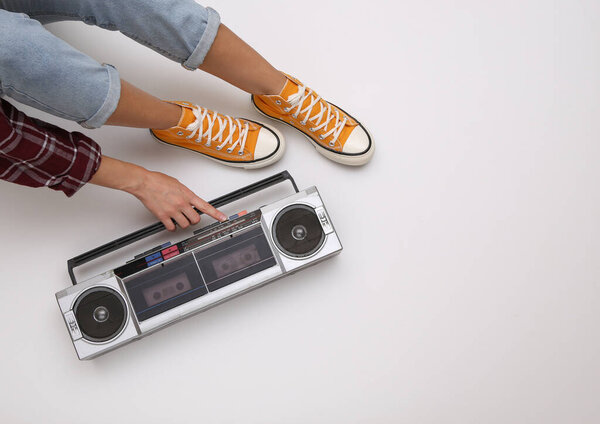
334 133
231 141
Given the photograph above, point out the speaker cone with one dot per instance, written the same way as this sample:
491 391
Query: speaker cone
101 313
297 231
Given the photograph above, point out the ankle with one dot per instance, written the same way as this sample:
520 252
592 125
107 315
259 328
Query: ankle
273 84
171 117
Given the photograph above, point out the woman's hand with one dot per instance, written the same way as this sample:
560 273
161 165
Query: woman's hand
168 199
164 196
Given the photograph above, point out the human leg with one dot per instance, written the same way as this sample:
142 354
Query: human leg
333 132
217 50
181 30
41 70
139 109
255 75
146 21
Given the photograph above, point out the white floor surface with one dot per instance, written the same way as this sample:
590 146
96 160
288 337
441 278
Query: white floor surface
469 287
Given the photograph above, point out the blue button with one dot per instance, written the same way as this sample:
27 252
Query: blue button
152 257
157 261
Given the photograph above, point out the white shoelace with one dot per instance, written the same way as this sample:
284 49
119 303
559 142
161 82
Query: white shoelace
226 121
297 100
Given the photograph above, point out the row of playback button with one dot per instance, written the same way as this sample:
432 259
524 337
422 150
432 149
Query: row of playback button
163 255
168 251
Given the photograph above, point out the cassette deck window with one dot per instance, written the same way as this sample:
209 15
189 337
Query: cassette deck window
236 258
165 286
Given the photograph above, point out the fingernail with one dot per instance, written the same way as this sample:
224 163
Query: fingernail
222 217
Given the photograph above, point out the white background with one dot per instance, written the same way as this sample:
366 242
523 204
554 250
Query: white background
468 290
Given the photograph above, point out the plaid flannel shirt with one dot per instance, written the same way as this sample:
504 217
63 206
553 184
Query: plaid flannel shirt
35 153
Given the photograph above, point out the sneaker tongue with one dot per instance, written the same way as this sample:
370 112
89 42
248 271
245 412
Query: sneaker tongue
290 88
187 117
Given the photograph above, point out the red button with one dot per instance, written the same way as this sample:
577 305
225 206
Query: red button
170 249
170 255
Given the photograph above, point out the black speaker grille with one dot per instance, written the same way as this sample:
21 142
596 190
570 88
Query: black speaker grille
100 297
297 231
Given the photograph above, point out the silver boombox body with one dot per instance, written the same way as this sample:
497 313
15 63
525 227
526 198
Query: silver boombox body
219 262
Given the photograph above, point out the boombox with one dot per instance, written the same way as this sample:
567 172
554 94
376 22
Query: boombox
175 280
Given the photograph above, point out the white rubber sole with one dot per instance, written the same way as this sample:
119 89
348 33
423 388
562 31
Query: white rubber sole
354 160
246 165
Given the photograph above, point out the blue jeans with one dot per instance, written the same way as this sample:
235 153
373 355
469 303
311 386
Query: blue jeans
41 70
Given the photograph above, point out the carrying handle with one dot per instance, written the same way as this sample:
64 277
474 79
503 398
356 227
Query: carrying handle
159 226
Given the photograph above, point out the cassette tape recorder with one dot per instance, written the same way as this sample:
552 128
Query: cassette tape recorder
173 281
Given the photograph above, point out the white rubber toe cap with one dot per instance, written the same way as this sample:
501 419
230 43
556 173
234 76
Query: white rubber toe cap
266 144
357 142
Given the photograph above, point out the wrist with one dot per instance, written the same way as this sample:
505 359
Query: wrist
135 181
119 175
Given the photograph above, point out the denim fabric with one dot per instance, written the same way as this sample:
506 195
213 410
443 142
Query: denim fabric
41 70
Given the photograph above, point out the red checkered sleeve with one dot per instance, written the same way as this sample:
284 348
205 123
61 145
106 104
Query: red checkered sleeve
35 153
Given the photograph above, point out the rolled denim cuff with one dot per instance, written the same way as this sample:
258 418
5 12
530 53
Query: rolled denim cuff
208 36
110 101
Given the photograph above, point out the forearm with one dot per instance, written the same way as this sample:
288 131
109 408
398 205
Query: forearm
119 175
164 196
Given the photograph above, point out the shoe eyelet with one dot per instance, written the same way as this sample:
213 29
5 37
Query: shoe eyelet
332 144
312 129
278 102
241 153
229 150
179 132
287 109
218 147
303 122
321 137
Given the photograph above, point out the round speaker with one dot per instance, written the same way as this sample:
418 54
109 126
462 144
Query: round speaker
297 231
101 313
